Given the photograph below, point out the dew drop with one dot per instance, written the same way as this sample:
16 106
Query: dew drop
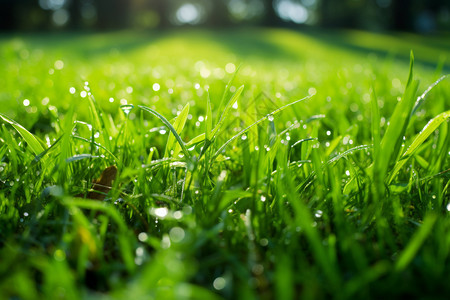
139 251
126 108
143 236
177 234
219 283
161 212
178 215
270 117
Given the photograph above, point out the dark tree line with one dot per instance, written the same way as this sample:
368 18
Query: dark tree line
405 15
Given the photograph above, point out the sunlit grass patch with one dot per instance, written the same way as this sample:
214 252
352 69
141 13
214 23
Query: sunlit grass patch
263 163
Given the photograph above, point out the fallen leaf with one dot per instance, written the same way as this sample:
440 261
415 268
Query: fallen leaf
103 184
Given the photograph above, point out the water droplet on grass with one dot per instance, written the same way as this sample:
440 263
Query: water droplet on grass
143 236
59 255
126 108
139 251
178 215
59 65
270 117
230 68
219 283
177 234
161 212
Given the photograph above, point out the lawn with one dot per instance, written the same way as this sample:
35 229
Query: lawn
229 164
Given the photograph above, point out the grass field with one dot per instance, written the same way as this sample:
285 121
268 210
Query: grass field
251 164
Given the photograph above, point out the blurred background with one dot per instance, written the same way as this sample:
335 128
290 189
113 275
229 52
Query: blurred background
420 16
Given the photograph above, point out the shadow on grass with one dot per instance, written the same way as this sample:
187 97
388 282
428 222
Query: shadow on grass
254 43
429 51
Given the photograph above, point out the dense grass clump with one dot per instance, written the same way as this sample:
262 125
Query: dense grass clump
258 164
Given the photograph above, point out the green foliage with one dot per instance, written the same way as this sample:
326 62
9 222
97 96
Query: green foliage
295 175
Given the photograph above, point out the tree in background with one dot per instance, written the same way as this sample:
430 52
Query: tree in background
404 15
113 14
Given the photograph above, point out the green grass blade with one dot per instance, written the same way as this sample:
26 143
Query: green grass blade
112 212
376 131
421 99
179 123
81 157
171 128
199 138
431 126
209 120
97 145
392 139
415 243
313 174
256 123
227 90
97 115
226 111
31 140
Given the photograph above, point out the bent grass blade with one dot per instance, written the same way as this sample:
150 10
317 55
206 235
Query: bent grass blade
179 123
431 126
256 123
171 128
31 140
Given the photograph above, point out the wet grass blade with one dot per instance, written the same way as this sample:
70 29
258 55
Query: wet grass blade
421 99
171 128
393 138
256 123
31 140
178 125
226 110
431 126
415 243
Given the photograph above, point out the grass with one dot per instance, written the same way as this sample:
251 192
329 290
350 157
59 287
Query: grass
253 164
